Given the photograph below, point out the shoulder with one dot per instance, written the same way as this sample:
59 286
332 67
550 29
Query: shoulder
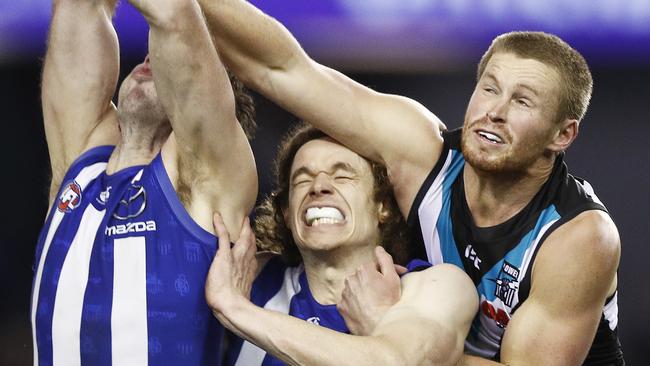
578 260
446 285
591 235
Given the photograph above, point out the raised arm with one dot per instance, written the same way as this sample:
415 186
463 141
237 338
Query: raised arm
79 77
209 148
394 130
574 273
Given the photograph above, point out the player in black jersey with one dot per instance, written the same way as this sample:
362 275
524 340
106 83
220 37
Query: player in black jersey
532 92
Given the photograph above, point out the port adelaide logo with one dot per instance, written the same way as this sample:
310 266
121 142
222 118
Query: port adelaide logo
507 283
70 197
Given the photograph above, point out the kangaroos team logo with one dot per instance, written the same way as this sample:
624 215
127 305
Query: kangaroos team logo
70 197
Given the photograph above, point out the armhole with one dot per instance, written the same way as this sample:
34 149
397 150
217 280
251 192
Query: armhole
160 174
526 281
417 245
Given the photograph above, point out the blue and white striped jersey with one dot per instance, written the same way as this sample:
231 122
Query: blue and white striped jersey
499 259
285 289
120 272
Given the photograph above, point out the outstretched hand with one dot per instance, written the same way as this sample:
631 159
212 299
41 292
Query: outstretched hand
233 269
370 292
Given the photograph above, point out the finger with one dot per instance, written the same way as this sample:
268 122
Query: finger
222 234
400 269
385 261
246 229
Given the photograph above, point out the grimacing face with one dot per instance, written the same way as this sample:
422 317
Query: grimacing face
510 119
331 201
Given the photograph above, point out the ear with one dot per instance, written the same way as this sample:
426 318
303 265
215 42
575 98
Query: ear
383 213
565 135
287 219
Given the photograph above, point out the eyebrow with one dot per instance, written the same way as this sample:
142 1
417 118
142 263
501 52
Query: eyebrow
489 75
334 168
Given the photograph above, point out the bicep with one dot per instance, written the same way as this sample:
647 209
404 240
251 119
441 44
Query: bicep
79 77
212 148
571 279
538 336
432 319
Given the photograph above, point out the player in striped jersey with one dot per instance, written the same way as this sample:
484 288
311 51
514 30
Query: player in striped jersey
532 92
330 211
122 258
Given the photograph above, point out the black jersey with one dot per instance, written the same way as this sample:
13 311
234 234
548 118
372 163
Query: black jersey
499 259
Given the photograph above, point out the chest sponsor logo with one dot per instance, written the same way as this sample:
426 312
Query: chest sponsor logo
131 227
70 197
470 254
495 312
133 203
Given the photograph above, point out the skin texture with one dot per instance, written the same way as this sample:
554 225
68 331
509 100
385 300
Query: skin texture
206 155
326 174
514 98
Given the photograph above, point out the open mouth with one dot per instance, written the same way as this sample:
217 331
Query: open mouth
316 216
492 138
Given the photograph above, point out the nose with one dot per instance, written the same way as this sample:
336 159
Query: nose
321 186
498 111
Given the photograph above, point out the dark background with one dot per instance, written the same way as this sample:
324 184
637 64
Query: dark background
611 152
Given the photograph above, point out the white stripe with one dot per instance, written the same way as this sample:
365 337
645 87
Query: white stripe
129 316
611 312
68 304
85 176
250 354
428 213
590 191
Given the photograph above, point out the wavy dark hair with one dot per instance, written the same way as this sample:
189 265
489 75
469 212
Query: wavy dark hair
244 106
271 230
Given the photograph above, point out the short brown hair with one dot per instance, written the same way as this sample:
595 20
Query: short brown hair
244 106
577 83
270 228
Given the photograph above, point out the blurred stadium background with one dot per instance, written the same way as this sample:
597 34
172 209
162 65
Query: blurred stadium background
424 49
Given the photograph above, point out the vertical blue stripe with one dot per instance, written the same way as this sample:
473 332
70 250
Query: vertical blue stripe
56 255
95 334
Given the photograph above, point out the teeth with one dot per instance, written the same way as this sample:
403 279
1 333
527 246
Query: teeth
490 136
323 215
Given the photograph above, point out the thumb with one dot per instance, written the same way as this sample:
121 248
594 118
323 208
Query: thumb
385 261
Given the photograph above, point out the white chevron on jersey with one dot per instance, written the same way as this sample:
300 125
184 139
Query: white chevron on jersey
250 354
429 211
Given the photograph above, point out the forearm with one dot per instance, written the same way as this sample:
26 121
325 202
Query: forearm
251 43
297 342
190 79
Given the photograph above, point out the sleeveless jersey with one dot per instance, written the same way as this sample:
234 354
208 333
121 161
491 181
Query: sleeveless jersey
285 289
120 272
499 259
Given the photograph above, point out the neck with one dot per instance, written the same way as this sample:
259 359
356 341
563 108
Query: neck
327 270
138 145
493 198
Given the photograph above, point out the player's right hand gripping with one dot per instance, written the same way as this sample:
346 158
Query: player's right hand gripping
232 271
